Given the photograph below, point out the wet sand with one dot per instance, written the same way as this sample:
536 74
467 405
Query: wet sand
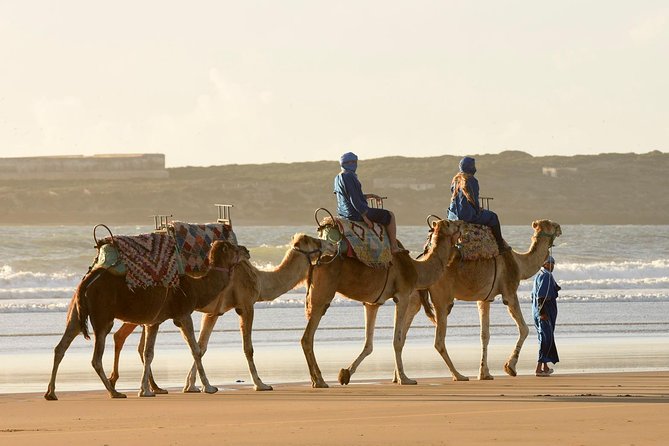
573 409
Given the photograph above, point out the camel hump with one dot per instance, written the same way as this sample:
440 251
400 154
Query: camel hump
477 242
369 245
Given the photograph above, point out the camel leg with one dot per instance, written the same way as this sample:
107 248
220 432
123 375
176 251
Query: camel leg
412 309
370 322
206 328
484 323
71 332
149 335
398 340
100 337
246 326
152 382
119 340
441 316
185 324
314 318
513 307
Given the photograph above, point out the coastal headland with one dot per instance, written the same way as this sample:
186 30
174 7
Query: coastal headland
588 189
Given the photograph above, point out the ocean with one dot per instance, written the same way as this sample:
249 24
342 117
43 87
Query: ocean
613 313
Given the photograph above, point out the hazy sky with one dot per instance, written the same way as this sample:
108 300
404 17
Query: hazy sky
219 82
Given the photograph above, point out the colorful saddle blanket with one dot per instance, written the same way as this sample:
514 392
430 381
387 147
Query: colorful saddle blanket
193 242
150 259
477 242
369 245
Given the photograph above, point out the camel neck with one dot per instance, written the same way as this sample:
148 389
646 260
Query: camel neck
531 261
432 267
292 270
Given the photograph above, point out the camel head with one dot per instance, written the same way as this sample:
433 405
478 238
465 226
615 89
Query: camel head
312 248
442 229
224 254
546 228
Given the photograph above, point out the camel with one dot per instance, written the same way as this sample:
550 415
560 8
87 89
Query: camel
248 285
481 281
103 297
373 287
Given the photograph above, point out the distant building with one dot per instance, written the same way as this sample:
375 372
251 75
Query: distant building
102 167
557 171
394 183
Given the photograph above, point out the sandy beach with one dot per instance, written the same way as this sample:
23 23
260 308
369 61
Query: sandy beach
569 409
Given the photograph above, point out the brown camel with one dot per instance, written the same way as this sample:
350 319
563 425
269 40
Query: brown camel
248 285
103 297
374 286
481 281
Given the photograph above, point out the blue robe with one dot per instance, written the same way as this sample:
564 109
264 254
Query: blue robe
544 301
351 202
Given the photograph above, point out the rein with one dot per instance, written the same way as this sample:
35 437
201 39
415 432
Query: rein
494 279
308 255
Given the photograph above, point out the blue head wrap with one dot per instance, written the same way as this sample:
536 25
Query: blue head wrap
351 161
550 259
467 165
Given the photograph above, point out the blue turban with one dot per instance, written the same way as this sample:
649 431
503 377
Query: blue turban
550 259
347 157
467 165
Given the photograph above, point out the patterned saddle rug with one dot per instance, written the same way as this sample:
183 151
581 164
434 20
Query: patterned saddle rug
477 242
193 242
150 259
369 245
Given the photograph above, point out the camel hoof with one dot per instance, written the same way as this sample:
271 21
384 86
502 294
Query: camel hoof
509 371
460 378
210 389
147 394
262 386
159 391
408 382
486 378
320 385
344 377
117 395
50 396
191 389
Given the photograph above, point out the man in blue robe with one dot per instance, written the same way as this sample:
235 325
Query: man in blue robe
352 203
544 313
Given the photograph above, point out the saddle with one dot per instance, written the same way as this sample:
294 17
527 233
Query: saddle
371 246
147 259
158 258
477 242
193 242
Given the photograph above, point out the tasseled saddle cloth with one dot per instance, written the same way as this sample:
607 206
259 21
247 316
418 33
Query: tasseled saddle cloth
369 245
477 242
150 259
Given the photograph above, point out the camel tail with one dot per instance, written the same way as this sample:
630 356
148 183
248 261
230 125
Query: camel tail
427 305
81 300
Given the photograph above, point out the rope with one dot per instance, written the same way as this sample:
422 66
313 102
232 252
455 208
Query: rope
384 286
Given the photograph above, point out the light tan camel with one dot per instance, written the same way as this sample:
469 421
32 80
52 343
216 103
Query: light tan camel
248 285
481 281
103 297
374 286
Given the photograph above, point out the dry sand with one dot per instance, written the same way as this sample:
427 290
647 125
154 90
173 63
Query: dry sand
576 409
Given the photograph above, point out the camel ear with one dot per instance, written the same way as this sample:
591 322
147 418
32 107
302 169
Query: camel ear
535 224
